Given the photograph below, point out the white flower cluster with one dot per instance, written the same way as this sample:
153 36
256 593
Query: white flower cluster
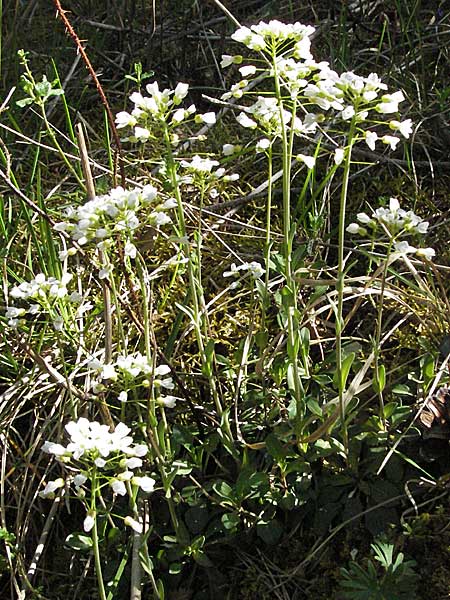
96 447
313 84
44 291
204 168
160 107
93 443
395 222
266 36
268 116
113 214
130 367
254 268
42 288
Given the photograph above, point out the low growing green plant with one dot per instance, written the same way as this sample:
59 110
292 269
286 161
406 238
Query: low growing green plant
396 581
185 434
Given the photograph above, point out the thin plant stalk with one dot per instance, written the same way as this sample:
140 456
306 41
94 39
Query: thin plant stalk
95 539
292 345
193 287
340 281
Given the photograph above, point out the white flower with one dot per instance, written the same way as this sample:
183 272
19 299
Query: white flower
209 118
168 401
51 487
58 323
233 271
118 487
391 141
232 177
133 462
123 396
109 372
262 145
247 70
135 525
250 39
142 134
140 450
228 60
201 165
371 137
12 312
339 154
178 116
309 161
427 253
229 149
162 370
100 462
76 297
389 103
302 49
353 228
124 119
147 484
105 272
363 218
79 480
394 205
42 288
404 247
254 268
130 250
404 127
89 521
52 448
245 121
347 113
180 92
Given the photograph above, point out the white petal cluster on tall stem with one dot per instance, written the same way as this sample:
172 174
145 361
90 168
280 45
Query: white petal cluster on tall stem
94 444
42 288
395 222
315 88
158 109
114 214
254 268
44 293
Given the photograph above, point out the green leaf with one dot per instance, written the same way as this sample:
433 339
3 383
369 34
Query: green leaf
196 518
345 369
275 448
175 568
270 532
379 378
79 542
24 102
230 521
428 368
223 490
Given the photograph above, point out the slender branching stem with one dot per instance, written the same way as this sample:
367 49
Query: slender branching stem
340 280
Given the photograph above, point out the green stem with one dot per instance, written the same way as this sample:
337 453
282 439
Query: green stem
194 286
340 281
95 541
292 318
376 349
